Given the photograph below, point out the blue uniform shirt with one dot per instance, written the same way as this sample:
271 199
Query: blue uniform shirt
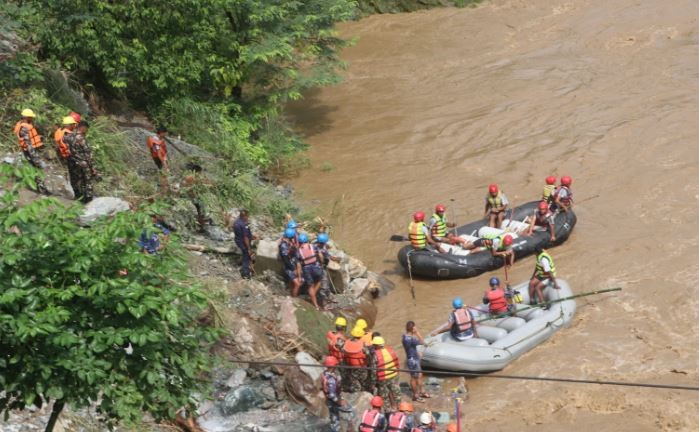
241 229
150 240
410 344
285 253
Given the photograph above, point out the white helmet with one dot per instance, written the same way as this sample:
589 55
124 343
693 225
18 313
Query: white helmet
426 418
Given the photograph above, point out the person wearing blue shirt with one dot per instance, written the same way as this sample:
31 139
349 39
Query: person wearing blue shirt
287 254
149 241
243 239
411 339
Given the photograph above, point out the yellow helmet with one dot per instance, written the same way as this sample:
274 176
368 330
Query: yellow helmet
378 340
68 121
361 323
28 113
357 332
340 322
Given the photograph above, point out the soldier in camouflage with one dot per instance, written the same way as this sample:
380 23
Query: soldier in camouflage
81 166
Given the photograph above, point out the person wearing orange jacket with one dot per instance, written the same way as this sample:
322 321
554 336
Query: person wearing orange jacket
158 148
354 354
69 124
30 143
387 366
336 339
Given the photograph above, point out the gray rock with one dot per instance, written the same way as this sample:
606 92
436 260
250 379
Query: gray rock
242 399
9 160
357 269
287 316
215 233
102 206
312 372
267 256
358 286
237 379
59 186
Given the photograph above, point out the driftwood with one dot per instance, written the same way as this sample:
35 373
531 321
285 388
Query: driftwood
211 249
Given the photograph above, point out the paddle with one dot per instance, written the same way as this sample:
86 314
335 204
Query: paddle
398 238
507 314
453 215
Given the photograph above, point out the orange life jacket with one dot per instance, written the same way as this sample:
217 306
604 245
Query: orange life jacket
332 338
308 254
367 338
354 353
497 301
34 137
157 147
58 137
396 421
386 359
370 420
462 320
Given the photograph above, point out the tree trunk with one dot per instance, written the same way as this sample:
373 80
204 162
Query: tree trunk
55 412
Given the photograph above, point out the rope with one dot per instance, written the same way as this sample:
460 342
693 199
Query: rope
410 275
490 375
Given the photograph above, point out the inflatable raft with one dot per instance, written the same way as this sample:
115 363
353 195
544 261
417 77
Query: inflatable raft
460 263
501 340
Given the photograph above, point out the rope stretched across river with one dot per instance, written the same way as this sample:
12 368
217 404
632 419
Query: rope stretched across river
484 375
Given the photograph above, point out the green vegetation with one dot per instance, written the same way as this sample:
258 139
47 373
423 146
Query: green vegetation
394 6
73 304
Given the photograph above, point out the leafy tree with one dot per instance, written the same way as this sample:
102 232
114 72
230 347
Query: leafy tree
85 319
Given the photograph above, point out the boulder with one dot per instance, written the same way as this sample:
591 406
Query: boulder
102 206
249 337
267 256
236 379
287 316
217 234
356 268
58 185
314 373
298 317
302 388
359 402
379 285
242 399
358 286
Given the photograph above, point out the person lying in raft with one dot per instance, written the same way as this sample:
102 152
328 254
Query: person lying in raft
461 324
543 218
498 246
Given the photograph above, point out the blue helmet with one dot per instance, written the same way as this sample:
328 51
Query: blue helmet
303 238
292 224
457 303
323 238
289 233
494 281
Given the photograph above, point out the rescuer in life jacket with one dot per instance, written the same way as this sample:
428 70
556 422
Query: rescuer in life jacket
497 299
387 366
401 420
549 188
354 354
461 324
331 384
543 218
420 236
495 205
373 419
562 197
544 271
439 228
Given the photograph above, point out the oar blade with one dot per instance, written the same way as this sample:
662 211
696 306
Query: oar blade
398 238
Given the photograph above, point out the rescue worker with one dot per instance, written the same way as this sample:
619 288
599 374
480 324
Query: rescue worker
387 364
308 264
31 145
439 228
495 205
321 243
543 218
549 188
368 334
354 355
243 239
81 165
294 226
158 148
563 196
544 271
498 246
401 420
287 254
150 241
451 427
427 423
331 384
496 298
336 339
69 125
193 186
373 419
419 234
410 340
461 324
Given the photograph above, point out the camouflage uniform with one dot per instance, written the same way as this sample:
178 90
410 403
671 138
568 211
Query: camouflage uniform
389 387
194 186
81 166
370 382
32 155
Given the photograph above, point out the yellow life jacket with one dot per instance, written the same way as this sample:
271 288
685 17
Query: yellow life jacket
439 229
540 268
495 201
417 236
548 190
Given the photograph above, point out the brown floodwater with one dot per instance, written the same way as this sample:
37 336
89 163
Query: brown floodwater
436 105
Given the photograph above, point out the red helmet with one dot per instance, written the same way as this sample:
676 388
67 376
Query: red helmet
507 240
566 180
377 402
493 188
75 116
418 216
330 361
551 180
440 208
543 205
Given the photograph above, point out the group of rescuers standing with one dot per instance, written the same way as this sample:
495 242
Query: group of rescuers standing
371 365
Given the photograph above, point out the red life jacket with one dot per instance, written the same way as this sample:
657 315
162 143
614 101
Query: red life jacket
333 350
497 301
308 254
396 421
354 353
370 421
462 320
157 147
386 358
565 200
542 220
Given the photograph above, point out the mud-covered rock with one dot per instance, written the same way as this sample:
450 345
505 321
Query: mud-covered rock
302 388
358 287
237 378
356 268
102 206
314 371
241 399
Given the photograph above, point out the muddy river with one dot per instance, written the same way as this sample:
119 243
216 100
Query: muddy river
436 105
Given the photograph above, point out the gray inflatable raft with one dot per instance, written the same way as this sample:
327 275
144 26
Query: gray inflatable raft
502 340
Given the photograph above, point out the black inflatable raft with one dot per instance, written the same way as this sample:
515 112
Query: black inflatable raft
461 264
